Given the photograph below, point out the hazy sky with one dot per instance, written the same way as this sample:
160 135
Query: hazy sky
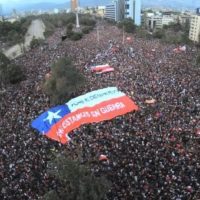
29 1
58 1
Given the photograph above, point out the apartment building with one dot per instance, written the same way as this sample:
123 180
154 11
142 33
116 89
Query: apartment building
194 33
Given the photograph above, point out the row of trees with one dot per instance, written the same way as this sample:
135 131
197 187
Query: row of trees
173 33
12 33
67 20
87 24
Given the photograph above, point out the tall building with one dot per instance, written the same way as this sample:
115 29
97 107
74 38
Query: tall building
198 11
74 5
121 9
133 10
194 33
110 12
115 11
1 11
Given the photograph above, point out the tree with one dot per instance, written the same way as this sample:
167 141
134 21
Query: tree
76 181
128 25
185 38
9 73
65 80
84 20
4 62
69 31
198 60
142 33
87 29
15 74
176 27
159 34
69 27
13 32
36 42
76 36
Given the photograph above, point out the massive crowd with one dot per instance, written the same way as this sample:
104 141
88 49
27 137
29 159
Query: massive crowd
153 153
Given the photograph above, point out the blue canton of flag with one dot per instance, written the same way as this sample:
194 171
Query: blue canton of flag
47 119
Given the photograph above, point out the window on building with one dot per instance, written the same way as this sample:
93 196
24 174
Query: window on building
126 6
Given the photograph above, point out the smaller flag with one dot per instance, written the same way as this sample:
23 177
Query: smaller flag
103 157
110 69
150 101
180 49
99 67
128 39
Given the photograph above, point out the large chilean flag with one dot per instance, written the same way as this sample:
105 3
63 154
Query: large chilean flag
95 106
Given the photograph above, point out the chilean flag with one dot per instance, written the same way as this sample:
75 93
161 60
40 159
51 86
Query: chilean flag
92 107
99 69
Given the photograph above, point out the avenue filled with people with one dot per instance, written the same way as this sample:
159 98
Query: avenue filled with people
153 153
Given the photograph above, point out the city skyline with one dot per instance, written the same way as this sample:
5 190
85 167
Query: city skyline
15 2
62 1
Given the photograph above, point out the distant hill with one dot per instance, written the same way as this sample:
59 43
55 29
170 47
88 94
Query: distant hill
50 6
178 4
37 6
84 3
45 6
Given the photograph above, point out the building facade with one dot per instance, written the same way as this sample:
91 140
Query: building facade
74 5
184 19
198 11
194 33
133 10
115 11
111 12
157 21
167 19
153 22
100 11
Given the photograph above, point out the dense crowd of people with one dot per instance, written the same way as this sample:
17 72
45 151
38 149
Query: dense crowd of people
153 153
